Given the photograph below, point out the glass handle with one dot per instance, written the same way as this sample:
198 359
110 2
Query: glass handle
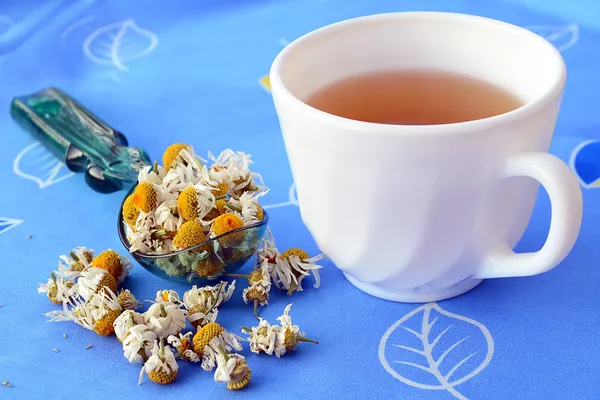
79 138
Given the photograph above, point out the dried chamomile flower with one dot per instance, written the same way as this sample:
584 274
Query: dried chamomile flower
287 270
79 312
117 265
234 169
258 289
220 189
152 174
220 208
195 202
127 320
262 337
93 280
78 259
233 369
289 335
190 234
105 309
183 345
202 303
247 206
167 296
167 217
227 223
128 300
171 154
209 266
130 211
138 344
161 367
204 335
145 197
223 342
57 290
165 318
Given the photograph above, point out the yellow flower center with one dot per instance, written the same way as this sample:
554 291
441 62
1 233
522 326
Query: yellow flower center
221 189
187 203
189 234
165 295
130 212
301 254
145 197
171 154
109 260
204 335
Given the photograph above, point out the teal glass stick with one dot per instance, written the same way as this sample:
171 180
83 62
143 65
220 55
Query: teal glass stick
79 138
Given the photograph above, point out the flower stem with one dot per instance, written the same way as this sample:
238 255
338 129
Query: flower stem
256 309
155 168
239 276
245 328
53 277
74 256
216 299
224 352
234 208
303 339
163 312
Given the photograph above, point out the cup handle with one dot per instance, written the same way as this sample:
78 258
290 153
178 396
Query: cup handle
567 210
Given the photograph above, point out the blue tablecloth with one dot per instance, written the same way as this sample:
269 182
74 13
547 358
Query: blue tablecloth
190 71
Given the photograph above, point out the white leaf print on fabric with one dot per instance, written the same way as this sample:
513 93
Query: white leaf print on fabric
7 224
37 164
293 199
563 37
431 348
119 43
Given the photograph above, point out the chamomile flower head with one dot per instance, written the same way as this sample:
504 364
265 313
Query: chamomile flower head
289 335
190 234
161 366
262 337
195 201
222 343
234 169
152 174
124 322
202 303
130 211
167 296
117 265
233 369
165 319
204 335
70 265
260 286
128 300
57 290
293 266
220 189
209 266
165 216
145 197
227 223
77 310
247 206
138 344
105 309
171 154
93 280
185 348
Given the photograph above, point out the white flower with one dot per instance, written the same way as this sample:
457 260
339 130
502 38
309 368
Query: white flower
287 330
165 319
79 254
263 337
268 251
225 341
167 296
138 344
183 345
80 313
225 366
206 200
162 359
88 282
60 290
128 300
208 296
126 321
233 168
259 290
248 204
165 218
147 174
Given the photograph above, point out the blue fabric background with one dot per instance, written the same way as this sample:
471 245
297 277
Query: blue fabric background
201 85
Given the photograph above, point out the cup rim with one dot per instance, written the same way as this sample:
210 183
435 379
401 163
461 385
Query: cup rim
554 90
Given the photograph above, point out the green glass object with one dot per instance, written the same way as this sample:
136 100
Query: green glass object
79 138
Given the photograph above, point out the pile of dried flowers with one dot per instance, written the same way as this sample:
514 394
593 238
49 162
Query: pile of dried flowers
87 287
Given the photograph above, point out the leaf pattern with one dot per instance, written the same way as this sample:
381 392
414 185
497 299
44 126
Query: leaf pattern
8 223
433 349
563 37
37 164
119 43
585 163
293 199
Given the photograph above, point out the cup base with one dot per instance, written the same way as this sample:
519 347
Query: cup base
414 295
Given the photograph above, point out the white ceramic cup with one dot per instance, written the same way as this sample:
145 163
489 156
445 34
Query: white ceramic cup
424 213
